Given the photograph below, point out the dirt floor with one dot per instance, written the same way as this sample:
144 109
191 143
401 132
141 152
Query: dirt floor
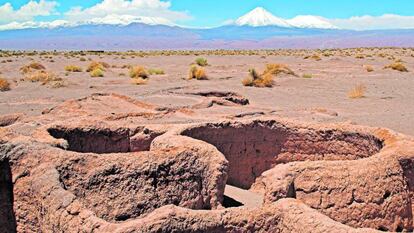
387 102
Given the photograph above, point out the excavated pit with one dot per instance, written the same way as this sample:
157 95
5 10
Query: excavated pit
104 140
7 218
126 187
258 146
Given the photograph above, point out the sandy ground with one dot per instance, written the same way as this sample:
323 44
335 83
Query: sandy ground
388 101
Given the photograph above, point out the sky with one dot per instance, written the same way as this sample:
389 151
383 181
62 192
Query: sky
348 14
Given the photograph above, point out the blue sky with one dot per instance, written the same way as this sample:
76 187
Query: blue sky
210 13
213 12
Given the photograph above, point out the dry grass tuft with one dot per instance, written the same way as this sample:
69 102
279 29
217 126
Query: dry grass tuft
201 61
198 73
276 69
138 72
397 66
32 66
4 84
315 57
46 78
97 73
256 80
357 92
97 65
266 79
369 68
156 72
307 76
72 68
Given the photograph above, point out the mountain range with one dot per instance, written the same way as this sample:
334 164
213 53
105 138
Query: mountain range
258 29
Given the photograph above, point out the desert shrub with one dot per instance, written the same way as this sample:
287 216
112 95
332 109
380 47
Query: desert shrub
254 79
46 78
249 80
369 68
97 65
72 68
4 84
97 73
198 73
266 79
82 59
397 66
357 92
307 76
139 81
156 71
201 61
315 57
359 56
276 69
138 72
32 66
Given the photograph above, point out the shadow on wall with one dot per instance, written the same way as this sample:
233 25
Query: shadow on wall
7 219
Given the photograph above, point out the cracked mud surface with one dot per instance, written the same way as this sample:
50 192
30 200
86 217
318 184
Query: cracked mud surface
104 163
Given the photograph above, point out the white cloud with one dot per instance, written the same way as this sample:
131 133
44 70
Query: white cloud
27 12
121 8
367 22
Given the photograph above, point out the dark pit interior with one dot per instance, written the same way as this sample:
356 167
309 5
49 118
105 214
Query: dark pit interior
256 147
7 218
104 140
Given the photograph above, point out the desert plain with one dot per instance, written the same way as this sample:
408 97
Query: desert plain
326 143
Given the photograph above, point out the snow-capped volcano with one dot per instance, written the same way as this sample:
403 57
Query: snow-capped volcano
261 17
311 21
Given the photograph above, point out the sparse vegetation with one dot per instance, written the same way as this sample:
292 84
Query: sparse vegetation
307 76
276 69
32 66
156 72
72 68
254 79
97 72
369 68
315 57
46 78
357 92
138 72
266 79
4 84
397 66
201 61
97 65
198 73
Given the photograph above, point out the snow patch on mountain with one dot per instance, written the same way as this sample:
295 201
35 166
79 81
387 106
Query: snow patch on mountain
261 17
311 21
121 20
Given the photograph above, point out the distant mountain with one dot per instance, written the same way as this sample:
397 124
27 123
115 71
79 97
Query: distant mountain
258 29
310 21
261 17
